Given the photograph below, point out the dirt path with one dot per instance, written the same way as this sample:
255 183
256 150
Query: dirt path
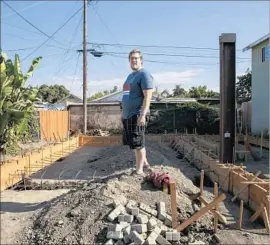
18 208
79 217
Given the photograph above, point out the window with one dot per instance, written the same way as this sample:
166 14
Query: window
265 53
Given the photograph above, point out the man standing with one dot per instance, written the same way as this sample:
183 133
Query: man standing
137 94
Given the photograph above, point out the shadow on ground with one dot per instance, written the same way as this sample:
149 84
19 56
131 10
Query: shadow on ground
18 207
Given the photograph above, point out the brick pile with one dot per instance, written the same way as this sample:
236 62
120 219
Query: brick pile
138 223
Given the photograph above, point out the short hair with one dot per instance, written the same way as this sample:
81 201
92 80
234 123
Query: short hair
135 51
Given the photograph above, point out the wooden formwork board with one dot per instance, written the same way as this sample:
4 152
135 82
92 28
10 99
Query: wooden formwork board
251 139
229 179
99 140
12 171
257 141
108 140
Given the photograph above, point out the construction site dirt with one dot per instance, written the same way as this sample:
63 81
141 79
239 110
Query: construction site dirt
69 201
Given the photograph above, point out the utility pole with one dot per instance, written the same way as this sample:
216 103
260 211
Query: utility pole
227 97
85 68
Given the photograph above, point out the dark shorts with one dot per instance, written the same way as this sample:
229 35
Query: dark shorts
134 135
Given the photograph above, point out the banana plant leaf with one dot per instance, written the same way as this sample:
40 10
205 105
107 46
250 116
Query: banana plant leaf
4 119
35 63
17 66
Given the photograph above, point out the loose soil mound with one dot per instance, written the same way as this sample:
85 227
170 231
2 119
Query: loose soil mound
80 217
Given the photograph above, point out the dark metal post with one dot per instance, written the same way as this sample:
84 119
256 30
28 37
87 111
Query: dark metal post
227 97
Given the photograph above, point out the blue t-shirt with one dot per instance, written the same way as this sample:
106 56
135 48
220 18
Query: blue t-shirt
133 96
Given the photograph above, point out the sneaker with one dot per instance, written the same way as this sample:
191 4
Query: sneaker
146 166
138 173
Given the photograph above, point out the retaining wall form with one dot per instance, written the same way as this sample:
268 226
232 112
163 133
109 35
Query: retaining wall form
229 179
200 152
19 168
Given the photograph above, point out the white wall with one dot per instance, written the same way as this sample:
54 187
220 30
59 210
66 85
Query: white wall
260 90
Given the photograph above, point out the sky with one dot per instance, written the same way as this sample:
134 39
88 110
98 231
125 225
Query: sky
116 27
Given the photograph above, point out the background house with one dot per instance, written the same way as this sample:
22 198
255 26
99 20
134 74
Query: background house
70 99
260 84
115 97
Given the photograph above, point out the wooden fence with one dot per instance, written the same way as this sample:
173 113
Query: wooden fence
54 125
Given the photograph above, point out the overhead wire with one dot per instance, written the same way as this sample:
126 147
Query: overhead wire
32 47
69 47
20 28
29 22
54 32
178 55
21 10
109 31
75 72
155 46
172 62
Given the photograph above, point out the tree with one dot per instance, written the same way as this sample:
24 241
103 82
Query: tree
102 93
52 93
178 91
201 92
115 89
165 93
95 96
243 87
16 100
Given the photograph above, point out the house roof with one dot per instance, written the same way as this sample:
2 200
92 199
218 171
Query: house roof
112 94
69 96
257 42
108 95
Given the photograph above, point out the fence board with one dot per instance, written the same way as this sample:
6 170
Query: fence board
54 125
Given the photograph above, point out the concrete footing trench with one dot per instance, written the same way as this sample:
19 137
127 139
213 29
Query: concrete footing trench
91 196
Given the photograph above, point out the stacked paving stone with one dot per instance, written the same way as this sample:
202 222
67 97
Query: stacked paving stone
140 224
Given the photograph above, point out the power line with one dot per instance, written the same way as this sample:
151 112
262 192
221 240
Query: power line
166 55
28 7
27 48
29 22
75 72
55 32
173 63
68 49
108 29
20 28
155 46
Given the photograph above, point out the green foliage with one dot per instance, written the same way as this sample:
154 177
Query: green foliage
52 93
179 92
102 93
243 88
16 100
193 92
201 92
188 116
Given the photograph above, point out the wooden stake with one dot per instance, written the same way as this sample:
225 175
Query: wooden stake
200 213
221 218
266 219
261 144
236 195
201 182
216 208
173 204
256 214
241 214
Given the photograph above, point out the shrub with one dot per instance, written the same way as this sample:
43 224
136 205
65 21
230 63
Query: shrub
188 116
